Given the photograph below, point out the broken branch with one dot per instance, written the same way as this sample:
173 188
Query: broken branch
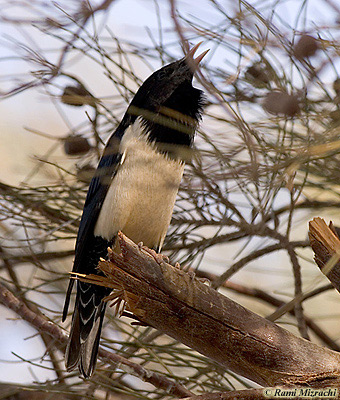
181 306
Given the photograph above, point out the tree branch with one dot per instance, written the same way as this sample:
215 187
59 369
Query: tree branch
175 303
274 301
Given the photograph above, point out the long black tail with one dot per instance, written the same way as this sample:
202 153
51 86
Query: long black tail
87 321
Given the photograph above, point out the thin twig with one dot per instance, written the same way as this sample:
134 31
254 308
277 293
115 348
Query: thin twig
42 324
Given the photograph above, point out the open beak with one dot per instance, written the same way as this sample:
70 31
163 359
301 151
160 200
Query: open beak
199 58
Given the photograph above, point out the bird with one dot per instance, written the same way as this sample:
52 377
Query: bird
133 190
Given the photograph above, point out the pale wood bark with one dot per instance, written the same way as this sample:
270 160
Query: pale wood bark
326 246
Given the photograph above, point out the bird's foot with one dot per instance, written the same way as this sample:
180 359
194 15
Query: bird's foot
204 280
158 257
192 275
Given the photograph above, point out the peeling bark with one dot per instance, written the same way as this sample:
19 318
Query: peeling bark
326 246
178 304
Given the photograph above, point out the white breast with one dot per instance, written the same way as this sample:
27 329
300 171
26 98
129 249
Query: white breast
142 195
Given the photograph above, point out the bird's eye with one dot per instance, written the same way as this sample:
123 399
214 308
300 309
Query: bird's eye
161 74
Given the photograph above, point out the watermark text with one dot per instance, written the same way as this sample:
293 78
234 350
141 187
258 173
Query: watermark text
301 393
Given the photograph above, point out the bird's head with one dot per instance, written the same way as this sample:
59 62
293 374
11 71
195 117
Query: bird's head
168 103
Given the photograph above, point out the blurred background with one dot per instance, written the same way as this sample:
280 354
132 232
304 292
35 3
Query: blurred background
266 162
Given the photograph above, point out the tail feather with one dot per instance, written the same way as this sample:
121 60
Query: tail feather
89 309
83 353
89 348
67 299
87 321
72 354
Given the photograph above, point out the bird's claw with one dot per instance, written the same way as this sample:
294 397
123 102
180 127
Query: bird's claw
192 275
158 257
205 280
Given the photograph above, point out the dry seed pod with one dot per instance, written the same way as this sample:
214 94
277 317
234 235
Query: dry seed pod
336 86
335 116
305 47
85 173
258 75
76 96
75 145
281 103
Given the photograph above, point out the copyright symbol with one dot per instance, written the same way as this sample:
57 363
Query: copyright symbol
267 392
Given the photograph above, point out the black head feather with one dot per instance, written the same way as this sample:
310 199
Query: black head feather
169 105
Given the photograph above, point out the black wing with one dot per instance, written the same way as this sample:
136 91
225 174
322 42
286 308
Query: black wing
100 183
